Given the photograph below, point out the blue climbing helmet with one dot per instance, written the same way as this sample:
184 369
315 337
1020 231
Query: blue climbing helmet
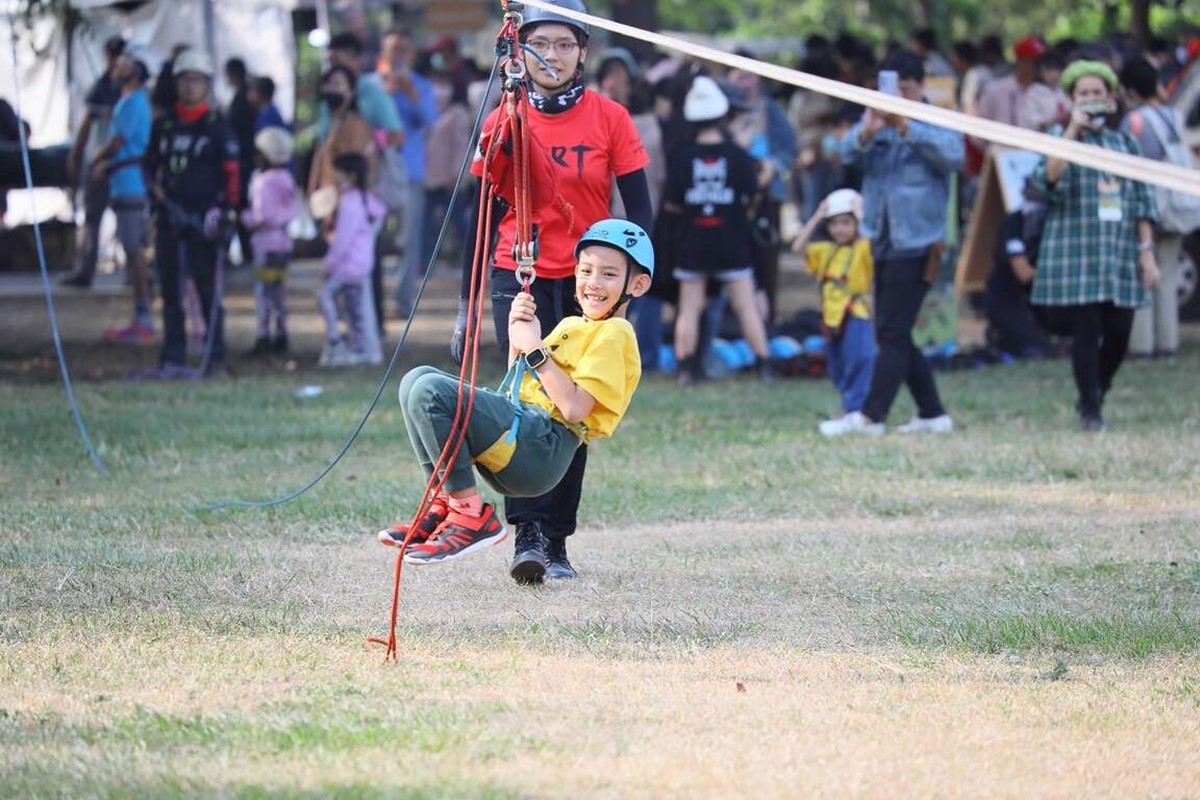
537 16
623 235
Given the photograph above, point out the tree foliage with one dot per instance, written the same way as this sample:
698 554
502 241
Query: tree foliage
883 19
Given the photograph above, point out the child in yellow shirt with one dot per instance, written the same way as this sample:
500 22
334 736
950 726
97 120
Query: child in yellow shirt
573 387
846 270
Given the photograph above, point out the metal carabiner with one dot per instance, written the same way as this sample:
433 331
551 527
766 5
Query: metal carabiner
526 258
526 274
515 70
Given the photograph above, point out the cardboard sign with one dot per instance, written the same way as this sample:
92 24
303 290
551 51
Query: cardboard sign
1015 167
942 92
1001 190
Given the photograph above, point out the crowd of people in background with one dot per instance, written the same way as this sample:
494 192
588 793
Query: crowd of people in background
1089 256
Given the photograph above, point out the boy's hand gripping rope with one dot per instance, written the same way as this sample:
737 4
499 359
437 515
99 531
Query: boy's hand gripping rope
516 105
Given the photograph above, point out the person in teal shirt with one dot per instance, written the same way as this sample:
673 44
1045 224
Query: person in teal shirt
375 104
120 159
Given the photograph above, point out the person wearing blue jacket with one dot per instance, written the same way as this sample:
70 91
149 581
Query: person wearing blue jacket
418 110
907 167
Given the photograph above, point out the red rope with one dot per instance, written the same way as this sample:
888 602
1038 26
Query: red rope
476 297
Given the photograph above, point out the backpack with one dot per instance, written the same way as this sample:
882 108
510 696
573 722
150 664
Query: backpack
392 188
1180 212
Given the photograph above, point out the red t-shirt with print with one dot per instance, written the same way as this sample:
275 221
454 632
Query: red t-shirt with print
589 145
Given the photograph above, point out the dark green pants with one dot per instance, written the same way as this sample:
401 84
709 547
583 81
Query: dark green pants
541 454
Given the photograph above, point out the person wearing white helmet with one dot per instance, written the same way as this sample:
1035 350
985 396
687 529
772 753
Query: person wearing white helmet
705 217
274 199
592 143
194 179
846 269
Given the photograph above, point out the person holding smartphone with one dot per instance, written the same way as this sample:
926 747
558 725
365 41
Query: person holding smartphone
1096 262
906 168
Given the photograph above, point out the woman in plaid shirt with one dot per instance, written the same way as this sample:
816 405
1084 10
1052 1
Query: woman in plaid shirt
1097 255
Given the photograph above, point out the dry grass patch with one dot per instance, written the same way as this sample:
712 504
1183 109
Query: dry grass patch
282 714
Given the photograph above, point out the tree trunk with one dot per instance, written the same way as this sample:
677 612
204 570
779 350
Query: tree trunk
640 14
1139 21
924 16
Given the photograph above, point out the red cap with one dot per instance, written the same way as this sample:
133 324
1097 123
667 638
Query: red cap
447 42
1031 48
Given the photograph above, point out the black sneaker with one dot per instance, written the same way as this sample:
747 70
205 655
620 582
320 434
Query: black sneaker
529 556
280 345
690 371
765 371
262 346
76 280
558 566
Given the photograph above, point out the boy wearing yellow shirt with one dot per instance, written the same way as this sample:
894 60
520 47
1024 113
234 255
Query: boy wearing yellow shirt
846 270
574 387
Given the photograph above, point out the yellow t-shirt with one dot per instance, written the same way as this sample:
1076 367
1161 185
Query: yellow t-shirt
602 359
846 274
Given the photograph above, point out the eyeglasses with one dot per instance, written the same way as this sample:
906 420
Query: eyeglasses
564 47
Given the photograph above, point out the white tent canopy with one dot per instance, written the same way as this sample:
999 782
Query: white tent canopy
56 65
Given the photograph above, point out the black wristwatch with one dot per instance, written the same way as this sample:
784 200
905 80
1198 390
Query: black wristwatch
537 358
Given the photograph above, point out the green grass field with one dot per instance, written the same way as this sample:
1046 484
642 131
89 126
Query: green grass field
1010 611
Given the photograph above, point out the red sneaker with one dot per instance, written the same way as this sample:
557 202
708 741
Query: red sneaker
435 516
134 332
458 536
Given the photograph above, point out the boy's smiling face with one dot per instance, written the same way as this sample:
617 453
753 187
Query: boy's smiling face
600 280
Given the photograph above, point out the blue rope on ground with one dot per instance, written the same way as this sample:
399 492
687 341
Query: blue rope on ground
41 256
391 367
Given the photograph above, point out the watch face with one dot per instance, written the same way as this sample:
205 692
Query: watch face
536 358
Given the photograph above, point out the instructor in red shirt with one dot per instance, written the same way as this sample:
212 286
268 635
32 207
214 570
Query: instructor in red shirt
591 140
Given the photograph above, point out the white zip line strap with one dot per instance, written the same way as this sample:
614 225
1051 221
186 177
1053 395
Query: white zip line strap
1137 168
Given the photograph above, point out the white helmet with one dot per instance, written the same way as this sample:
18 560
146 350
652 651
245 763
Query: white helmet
705 102
192 60
843 201
276 144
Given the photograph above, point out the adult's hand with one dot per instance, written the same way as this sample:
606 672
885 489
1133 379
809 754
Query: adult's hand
1079 122
897 122
873 125
766 173
212 223
458 340
1149 269
1023 270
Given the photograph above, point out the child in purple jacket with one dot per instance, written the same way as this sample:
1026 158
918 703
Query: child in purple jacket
345 293
273 197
